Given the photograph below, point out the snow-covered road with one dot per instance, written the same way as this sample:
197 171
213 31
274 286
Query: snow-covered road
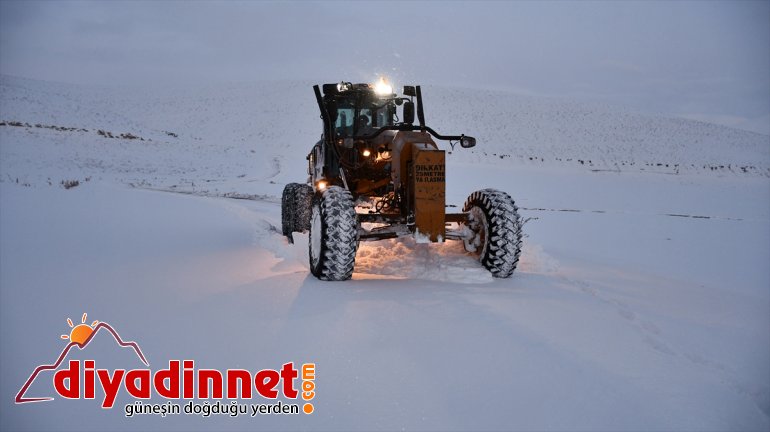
626 319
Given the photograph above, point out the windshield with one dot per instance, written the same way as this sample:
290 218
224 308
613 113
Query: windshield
346 113
355 120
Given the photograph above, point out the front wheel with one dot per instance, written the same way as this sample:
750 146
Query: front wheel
333 235
494 228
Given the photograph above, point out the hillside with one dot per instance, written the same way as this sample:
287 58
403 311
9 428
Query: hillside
255 130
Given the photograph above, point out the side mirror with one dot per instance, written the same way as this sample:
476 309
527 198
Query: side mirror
467 142
409 112
410 91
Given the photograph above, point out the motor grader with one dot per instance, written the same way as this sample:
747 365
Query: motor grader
374 175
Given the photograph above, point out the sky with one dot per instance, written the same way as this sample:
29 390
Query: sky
705 60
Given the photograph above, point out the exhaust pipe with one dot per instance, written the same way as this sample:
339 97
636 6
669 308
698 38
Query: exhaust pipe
324 113
420 112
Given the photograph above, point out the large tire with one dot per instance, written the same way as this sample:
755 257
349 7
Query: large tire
303 200
295 209
495 224
288 210
333 235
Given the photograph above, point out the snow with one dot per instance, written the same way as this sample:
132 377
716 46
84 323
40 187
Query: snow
641 300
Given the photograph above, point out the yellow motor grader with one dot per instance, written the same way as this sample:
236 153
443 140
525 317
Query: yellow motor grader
374 175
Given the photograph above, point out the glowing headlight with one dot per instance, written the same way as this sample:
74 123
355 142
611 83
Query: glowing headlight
366 153
382 88
321 185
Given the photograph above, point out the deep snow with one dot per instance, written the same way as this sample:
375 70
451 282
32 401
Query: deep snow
642 300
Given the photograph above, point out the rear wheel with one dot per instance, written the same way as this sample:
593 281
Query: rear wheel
333 235
495 231
303 200
295 209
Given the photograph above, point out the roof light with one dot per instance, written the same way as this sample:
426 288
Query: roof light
382 88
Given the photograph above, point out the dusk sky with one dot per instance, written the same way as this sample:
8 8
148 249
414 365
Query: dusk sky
701 60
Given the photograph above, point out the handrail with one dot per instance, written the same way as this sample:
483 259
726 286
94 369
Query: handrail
409 128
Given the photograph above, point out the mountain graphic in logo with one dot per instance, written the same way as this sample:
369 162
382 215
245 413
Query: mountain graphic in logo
80 336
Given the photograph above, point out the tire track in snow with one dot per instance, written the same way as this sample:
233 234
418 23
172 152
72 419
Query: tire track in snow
680 215
654 337
208 194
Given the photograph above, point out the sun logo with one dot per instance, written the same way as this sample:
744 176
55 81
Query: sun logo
81 332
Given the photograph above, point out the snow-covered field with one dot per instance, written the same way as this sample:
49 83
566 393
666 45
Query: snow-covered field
642 301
